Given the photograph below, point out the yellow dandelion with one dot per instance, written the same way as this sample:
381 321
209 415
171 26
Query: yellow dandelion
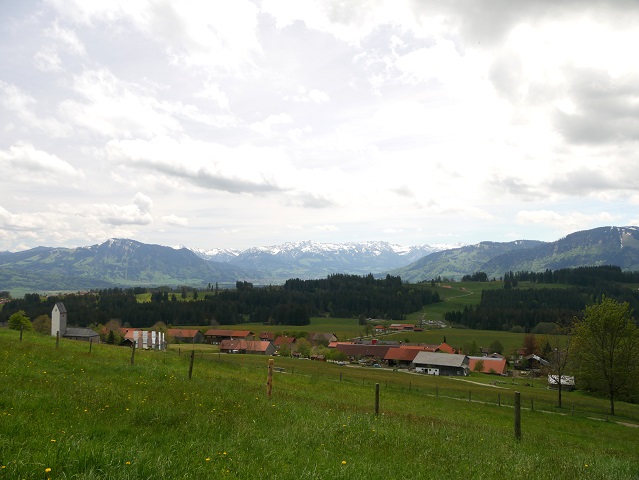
343 462
47 470
207 459
127 462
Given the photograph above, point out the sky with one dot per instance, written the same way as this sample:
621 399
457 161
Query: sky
234 124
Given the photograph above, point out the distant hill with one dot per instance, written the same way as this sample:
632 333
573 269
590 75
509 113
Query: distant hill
121 262
457 262
116 262
599 246
312 260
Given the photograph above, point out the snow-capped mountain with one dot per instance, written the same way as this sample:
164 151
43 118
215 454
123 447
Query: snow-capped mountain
310 259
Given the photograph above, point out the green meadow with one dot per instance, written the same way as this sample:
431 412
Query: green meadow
67 412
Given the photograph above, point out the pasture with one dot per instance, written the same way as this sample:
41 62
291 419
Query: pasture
68 413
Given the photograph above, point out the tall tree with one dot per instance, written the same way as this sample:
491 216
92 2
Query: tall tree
606 344
559 341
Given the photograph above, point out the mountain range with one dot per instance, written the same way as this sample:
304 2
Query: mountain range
124 262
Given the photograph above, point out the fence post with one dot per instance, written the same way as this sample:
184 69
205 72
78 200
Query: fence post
517 416
377 399
437 390
269 379
469 394
191 364
21 328
499 399
133 353
90 345
57 339
532 405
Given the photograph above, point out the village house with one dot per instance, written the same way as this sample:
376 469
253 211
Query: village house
283 340
370 353
255 347
59 326
435 363
215 336
495 366
185 335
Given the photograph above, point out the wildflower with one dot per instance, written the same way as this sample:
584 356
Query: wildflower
47 470
53 440
127 462
207 459
343 462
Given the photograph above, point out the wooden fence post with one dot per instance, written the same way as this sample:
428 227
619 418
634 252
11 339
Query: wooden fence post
532 405
57 339
90 345
191 364
21 328
269 379
133 353
517 416
499 399
377 399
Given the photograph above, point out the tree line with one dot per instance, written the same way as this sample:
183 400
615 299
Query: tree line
343 296
522 309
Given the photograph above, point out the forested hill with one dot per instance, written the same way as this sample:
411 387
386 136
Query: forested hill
341 296
599 246
534 309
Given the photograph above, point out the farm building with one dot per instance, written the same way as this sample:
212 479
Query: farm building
401 356
567 382
365 352
256 347
496 366
435 363
185 335
321 338
59 326
284 340
215 336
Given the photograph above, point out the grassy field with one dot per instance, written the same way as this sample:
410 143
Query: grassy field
65 413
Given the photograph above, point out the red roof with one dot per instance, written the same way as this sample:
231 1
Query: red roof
497 365
246 345
402 354
183 332
283 340
444 347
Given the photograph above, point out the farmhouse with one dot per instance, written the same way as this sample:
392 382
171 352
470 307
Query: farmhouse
435 363
496 366
366 352
215 336
186 335
402 356
258 347
284 340
59 326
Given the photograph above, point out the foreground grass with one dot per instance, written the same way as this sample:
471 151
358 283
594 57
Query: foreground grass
97 416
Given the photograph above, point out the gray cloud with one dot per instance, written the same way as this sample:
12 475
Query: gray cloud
607 109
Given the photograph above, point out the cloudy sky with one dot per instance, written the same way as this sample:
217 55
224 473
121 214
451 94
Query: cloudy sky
232 124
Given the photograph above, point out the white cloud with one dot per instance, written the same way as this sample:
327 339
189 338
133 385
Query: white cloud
174 220
29 164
